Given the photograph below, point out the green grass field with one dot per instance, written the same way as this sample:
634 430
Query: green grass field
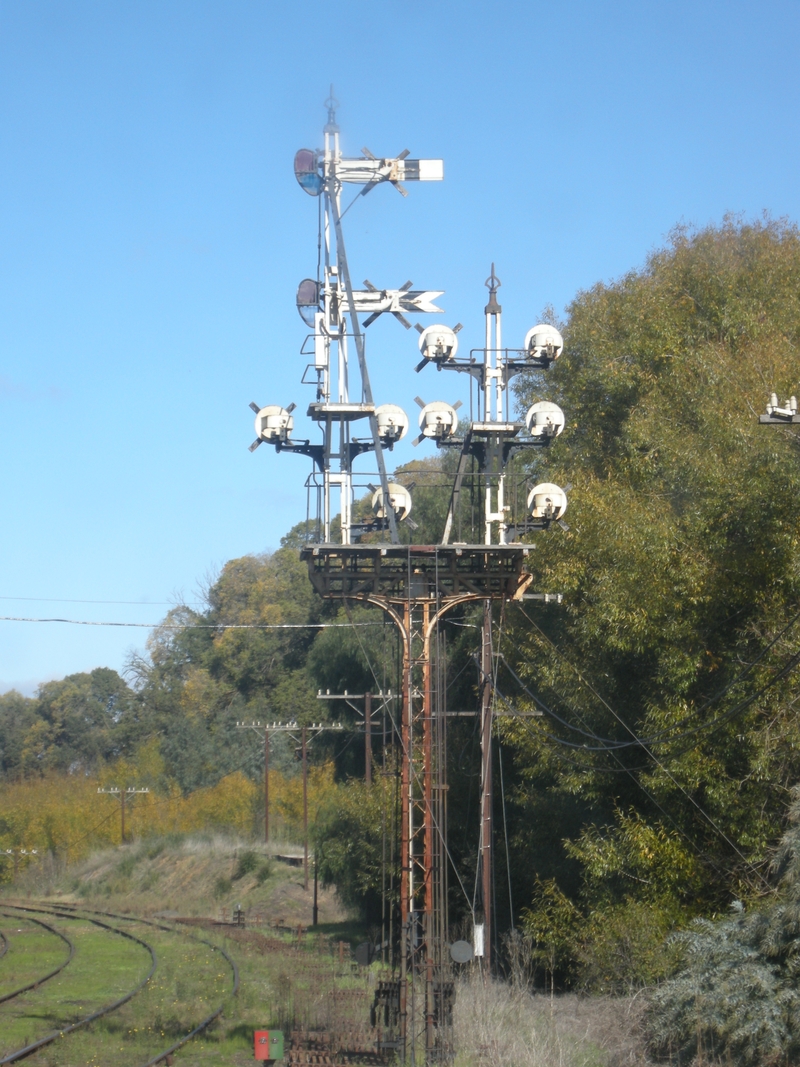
32 953
104 968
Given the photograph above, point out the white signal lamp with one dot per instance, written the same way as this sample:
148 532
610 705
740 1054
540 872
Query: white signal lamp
399 501
274 423
438 343
545 419
392 423
547 501
543 342
438 420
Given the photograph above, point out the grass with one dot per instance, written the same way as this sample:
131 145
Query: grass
196 875
496 1025
190 982
104 968
33 952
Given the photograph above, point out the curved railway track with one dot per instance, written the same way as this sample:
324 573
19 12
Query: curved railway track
192 937
70 911
20 1053
45 977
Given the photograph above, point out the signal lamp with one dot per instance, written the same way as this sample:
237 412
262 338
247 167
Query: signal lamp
547 501
399 501
543 342
438 343
545 419
438 420
392 423
274 423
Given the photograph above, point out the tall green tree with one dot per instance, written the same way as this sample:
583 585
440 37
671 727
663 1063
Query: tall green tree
668 662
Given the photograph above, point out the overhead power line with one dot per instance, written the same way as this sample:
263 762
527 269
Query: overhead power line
199 625
133 603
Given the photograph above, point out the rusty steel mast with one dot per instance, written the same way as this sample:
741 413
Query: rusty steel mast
414 585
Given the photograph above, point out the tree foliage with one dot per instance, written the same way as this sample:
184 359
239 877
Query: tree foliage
667 662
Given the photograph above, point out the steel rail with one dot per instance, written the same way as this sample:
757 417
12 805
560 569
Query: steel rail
3 944
28 1049
161 1056
39 981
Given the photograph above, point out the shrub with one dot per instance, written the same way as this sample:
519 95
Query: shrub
127 864
735 995
263 872
248 862
222 887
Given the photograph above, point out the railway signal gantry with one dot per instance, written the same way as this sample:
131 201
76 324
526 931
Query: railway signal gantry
362 559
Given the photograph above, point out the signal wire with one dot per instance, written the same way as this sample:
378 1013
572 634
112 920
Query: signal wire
656 738
678 785
664 812
622 769
197 626
606 744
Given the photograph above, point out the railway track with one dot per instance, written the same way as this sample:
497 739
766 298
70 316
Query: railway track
48 1039
3 944
89 915
45 977
193 937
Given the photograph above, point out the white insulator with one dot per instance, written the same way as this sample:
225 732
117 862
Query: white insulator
547 501
773 403
274 423
392 422
399 501
543 340
545 419
793 404
438 420
438 343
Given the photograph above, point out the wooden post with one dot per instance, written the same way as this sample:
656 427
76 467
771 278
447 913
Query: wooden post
368 737
486 781
305 810
315 909
266 785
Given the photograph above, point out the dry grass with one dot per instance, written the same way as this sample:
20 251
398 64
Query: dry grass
497 1025
193 875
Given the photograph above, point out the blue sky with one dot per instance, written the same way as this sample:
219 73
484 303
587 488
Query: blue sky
152 236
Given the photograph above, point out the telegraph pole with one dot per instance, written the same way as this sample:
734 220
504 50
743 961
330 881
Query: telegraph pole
368 739
15 854
303 741
348 698
314 728
305 806
121 795
268 728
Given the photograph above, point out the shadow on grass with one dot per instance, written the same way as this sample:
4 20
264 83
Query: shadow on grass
352 931
244 1031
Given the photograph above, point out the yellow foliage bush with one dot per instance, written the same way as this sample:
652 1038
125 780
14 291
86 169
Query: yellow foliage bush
65 815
